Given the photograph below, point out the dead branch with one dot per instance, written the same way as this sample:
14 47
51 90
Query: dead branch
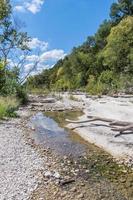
124 125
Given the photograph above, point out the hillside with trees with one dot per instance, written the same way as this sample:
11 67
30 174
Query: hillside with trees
102 64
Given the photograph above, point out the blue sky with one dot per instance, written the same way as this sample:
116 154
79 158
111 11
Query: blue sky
61 24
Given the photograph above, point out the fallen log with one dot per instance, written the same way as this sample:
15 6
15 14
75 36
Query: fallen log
123 125
94 118
126 128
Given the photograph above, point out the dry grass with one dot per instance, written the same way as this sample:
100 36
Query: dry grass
7 106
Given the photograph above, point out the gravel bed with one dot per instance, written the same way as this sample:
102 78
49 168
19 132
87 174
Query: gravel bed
19 164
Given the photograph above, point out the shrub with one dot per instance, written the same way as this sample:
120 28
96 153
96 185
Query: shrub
21 94
8 105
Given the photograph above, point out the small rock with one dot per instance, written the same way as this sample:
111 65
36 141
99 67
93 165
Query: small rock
63 194
65 157
123 180
80 196
82 184
76 170
87 171
73 189
56 175
68 162
48 174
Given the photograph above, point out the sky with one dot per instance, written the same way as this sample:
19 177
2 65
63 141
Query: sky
56 26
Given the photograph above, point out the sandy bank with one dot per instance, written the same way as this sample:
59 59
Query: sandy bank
99 133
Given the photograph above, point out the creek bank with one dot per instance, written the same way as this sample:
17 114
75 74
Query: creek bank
94 175
99 133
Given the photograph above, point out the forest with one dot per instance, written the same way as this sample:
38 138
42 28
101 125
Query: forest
103 64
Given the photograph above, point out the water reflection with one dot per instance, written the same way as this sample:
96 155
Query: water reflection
49 133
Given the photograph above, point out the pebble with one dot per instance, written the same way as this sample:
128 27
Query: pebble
73 189
87 171
63 194
48 174
65 157
82 184
56 175
18 173
80 196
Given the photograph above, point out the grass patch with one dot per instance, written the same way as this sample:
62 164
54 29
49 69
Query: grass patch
38 91
8 105
73 98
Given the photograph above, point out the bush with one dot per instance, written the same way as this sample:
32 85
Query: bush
108 83
8 105
21 94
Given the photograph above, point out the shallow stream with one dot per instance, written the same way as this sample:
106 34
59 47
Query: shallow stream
95 165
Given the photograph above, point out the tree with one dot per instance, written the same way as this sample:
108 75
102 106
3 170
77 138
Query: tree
13 43
102 33
5 9
121 9
118 51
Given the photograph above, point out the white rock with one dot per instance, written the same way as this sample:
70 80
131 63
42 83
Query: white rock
56 175
48 174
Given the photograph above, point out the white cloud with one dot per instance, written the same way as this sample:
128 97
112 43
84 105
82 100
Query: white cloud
47 56
44 61
54 54
19 8
36 43
28 67
34 69
33 6
32 58
39 57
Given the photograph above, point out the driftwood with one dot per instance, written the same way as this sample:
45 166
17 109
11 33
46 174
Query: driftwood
115 125
65 182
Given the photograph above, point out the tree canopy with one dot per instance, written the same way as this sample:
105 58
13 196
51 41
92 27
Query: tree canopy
103 63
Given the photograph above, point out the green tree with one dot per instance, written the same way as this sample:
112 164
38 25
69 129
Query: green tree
121 9
12 43
118 51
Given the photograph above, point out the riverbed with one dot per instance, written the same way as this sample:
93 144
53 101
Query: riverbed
41 158
84 162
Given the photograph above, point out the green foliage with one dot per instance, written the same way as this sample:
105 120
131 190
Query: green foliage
95 87
8 105
12 43
21 94
121 9
102 64
118 51
5 9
